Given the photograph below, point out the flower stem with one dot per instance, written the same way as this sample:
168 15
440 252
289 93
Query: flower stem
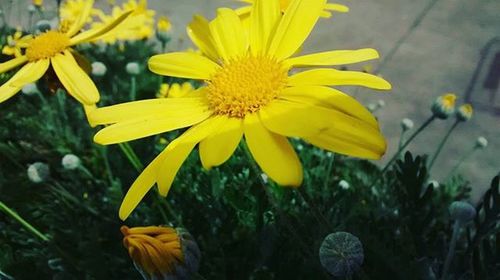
441 145
407 142
451 250
459 163
4 208
133 88
401 139
131 156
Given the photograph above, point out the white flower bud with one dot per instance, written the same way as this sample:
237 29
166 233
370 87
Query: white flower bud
372 107
70 162
344 185
31 9
38 172
381 103
43 25
265 178
98 69
407 124
462 211
481 142
133 68
434 184
30 89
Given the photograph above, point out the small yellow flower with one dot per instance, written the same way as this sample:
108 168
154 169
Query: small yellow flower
464 112
38 3
54 49
161 252
138 26
163 24
15 43
250 90
444 106
175 90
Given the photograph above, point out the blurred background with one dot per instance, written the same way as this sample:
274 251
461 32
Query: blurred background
427 47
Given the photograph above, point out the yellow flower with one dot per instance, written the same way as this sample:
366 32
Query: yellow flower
15 43
163 24
444 106
161 252
244 12
249 90
175 90
464 112
38 3
139 25
54 48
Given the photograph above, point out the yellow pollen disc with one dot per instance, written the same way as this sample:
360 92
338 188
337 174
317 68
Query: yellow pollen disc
244 85
47 45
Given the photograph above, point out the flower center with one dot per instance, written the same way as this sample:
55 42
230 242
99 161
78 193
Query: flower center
47 45
244 85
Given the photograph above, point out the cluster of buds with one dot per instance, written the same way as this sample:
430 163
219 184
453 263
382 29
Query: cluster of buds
444 107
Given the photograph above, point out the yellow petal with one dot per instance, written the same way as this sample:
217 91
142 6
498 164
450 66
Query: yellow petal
329 98
183 65
219 146
344 145
295 26
333 58
29 73
75 80
179 149
82 19
308 118
332 77
265 16
13 63
272 153
159 107
199 32
141 186
95 33
336 8
150 125
229 36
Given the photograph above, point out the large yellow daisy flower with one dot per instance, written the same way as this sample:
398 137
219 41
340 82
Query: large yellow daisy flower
249 91
53 48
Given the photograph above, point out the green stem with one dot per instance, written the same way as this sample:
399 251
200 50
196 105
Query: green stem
459 163
329 170
4 208
451 250
441 145
401 139
104 154
407 142
133 87
131 156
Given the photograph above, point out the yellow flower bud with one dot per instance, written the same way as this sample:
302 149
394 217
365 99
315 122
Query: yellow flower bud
444 106
159 252
464 112
163 24
38 3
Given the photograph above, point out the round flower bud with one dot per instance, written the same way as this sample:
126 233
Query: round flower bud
344 185
30 89
434 184
98 69
341 254
381 103
462 211
133 68
444 106
372 107
481 142
162 252
407 124
70 162
31 9
38 172
464 112
43 25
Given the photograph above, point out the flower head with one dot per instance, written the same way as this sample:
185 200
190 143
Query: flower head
444 106
54 48
481 142
161 252
248 91
139 25
38 3
407 124
341 254
163 24
70 162
464 112
175 90
38 172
